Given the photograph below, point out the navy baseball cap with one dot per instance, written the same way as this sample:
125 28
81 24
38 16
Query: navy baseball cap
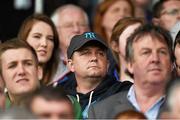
79 41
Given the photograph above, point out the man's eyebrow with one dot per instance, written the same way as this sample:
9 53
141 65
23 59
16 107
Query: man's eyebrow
28 60
24 60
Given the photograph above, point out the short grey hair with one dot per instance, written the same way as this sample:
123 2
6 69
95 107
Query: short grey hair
57 12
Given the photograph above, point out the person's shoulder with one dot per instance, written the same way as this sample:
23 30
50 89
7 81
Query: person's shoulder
108 107
122 86
67 80
118 97
126 83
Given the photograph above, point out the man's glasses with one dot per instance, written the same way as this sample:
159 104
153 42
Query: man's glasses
71 25
172 12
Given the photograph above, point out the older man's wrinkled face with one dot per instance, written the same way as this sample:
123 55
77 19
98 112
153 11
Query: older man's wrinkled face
71 22
152 63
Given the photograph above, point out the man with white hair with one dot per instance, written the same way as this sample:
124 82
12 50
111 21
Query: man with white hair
69 20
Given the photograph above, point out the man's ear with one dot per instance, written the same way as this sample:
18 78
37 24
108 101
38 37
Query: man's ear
114 46
2 81
70 65
156 21
130 67
40 72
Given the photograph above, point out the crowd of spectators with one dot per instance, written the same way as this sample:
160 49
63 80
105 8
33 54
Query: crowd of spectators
93 59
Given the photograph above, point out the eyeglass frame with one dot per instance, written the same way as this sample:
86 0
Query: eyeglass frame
171 12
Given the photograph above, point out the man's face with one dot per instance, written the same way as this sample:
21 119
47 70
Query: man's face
19 71
71 22
89 62
152 64
52 109
177 56
170 14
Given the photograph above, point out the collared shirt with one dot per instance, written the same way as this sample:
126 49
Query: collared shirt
153 111
61 69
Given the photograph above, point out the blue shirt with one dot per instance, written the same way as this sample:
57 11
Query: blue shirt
153 111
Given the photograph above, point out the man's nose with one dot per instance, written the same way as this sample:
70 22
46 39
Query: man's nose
155 57
76 28
93 57
21 69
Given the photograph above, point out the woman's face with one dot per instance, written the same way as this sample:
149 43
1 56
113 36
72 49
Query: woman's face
142 3
120 9
124 35
41 38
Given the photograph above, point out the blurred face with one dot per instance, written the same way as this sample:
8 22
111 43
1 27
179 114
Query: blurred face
151 64
175 108
46 109
41 38
118 10
89 62
177 56
124 35
142 3
19 71
170 14
71 22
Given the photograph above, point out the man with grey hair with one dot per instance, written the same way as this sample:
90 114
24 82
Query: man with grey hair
69 20
149 57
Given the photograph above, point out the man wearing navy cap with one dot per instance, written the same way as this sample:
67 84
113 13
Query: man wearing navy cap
87 58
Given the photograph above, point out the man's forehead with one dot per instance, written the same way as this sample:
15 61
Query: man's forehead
20 53
171 3
65 16
17 51
151 38
70 9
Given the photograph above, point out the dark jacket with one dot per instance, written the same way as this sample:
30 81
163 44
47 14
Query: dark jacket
110 107
107 87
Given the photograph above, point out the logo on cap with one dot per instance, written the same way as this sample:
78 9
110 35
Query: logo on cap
90 35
